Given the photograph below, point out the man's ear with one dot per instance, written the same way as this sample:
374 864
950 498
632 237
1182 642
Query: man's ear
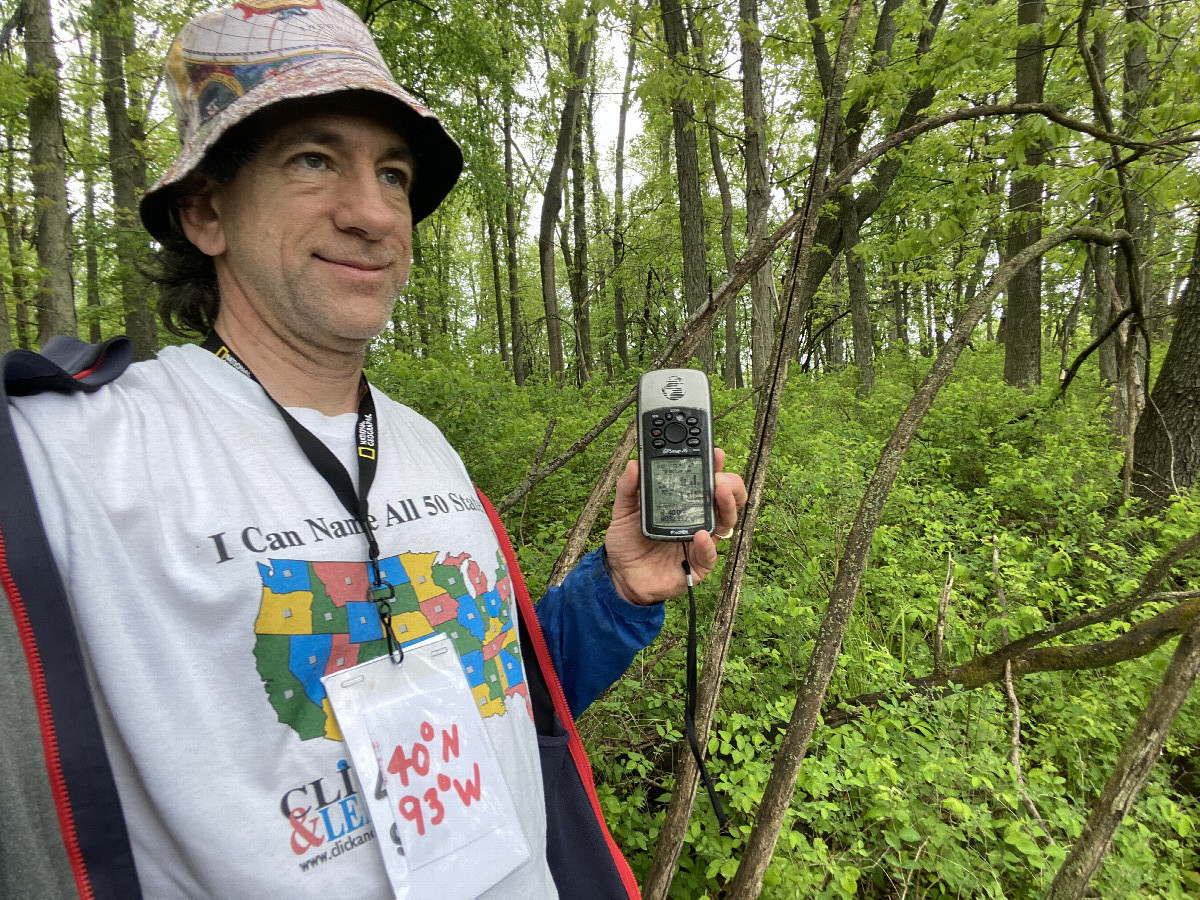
201 221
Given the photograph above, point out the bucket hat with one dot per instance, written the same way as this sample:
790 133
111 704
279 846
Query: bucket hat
228 64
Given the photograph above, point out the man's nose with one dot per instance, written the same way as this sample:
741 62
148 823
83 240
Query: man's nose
368 206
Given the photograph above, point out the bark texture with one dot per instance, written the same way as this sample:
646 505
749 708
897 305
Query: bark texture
618 239
552 197
758 195
731 370
13 233
1167 443
510 248
687 168
47 163
127 165
1023 311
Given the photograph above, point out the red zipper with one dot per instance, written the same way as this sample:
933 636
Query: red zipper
79 376
58 785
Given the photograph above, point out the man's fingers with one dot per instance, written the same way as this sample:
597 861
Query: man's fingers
627 484
704 554
731 496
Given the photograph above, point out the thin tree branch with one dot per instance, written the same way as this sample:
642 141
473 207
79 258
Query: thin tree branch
1014 754
939 634
541 473
1092 348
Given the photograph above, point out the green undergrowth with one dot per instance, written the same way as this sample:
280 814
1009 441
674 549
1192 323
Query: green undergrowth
917 797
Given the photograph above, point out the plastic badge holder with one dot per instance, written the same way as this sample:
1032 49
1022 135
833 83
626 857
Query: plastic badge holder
443 814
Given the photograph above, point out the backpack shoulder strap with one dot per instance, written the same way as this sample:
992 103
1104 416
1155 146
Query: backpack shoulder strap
80 782
66 364
583 856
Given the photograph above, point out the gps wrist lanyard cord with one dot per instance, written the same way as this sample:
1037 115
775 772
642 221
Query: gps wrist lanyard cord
689 713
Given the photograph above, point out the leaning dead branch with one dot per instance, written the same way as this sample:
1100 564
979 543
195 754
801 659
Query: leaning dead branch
1141 639
1090 349
1137 758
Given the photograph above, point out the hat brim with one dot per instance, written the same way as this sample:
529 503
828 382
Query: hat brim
438 158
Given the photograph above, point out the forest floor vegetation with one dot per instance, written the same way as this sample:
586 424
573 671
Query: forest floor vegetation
1017 498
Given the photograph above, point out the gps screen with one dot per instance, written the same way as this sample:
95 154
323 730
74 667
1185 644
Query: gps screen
678 491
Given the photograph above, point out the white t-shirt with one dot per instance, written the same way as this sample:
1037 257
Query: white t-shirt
215 577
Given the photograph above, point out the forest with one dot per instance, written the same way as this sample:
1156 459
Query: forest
941 261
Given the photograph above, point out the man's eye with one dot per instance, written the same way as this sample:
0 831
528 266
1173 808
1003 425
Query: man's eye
394 177
312 160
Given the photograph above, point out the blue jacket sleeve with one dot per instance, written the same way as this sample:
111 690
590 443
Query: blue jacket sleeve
592 632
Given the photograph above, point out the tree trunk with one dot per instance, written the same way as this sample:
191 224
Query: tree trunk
599 284
6 343
1105 305
899 307
687 168
493 242
1071 322
510 248
1167 442
860 310
91 256
497 284
758 196
862 336
48 174
834 340
618 240
732 369
1136 82
1103 311
1023 312
552 196
580 301
418 264
871 195
15 244
114 19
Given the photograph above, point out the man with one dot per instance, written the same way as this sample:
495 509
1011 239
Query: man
237 523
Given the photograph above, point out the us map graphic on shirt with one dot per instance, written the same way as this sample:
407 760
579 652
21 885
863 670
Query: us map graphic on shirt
315 620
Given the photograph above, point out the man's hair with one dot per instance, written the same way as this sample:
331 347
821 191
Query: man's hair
188 294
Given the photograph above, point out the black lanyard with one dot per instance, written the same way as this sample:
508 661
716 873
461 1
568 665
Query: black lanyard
330 468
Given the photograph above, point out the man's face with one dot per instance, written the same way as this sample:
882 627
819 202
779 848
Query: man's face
313 238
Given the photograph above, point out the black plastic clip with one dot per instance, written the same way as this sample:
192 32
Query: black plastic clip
382 594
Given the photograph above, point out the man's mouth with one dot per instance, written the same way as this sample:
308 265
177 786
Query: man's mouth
362 265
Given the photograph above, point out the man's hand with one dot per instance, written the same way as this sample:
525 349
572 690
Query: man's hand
646 571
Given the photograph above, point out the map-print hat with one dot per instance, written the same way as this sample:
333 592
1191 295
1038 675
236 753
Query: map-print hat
229 64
